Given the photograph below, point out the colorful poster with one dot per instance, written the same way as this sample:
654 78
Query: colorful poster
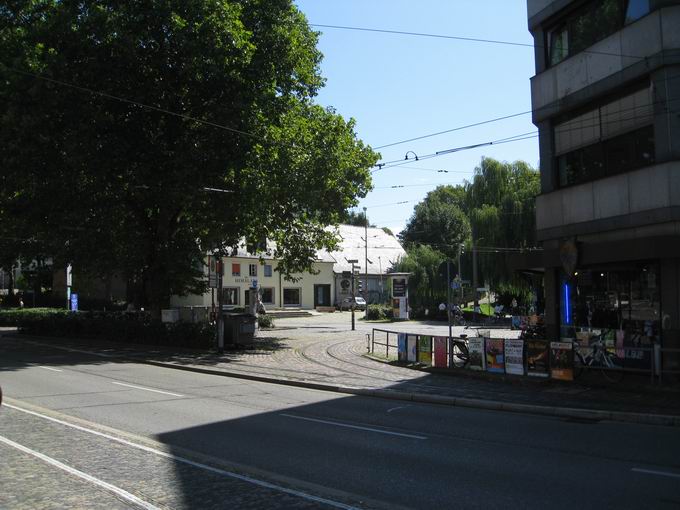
440 351
476 350
514 356
411 348
538 354
401 339
562 361
495 359
425 349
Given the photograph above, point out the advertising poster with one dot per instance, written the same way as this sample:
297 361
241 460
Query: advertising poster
411 348
538 354
514 356
401 343
440 351
476 350
495 359
425 349
562 361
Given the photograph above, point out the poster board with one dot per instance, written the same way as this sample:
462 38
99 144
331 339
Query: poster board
401 347
411 348
440 358
476 350
514 356
495 356
538 357
562 361
425 349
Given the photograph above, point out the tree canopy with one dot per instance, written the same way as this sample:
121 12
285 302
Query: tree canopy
119 120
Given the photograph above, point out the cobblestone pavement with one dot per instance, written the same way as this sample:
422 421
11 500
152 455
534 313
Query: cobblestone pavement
159 481
323 349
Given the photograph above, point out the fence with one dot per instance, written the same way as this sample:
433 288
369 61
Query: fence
525 357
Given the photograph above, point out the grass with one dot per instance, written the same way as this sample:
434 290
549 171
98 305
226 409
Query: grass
485 308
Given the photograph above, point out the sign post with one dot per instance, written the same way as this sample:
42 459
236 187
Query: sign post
354 295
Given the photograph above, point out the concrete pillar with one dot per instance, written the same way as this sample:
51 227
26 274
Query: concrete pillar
666 98
670 312
552 303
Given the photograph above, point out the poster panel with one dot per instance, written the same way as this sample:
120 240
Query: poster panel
538 354
401 343
514 356
440 351
476 350
562 361
425 349
495 359
411 348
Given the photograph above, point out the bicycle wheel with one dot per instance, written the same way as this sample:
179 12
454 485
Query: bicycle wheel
579 364
612 372
461 355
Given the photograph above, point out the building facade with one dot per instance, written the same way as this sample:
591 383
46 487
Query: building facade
606 101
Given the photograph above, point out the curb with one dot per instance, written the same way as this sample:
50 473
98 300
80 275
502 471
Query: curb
473 403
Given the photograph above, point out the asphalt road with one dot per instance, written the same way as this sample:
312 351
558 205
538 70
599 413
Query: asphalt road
178 439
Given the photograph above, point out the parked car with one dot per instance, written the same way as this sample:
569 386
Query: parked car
359 303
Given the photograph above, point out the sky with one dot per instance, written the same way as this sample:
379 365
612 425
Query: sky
399 87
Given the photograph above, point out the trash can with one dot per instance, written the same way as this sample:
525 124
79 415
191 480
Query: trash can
239 329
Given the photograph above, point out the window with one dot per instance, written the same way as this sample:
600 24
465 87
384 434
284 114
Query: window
230 296
614 138
236 270
252 269
291 297
268 295
593 22
267 270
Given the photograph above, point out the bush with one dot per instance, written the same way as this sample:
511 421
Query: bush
265 321
378 312
129 327
13 316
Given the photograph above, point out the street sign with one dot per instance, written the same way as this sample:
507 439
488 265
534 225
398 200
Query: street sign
482 289
253 283
455 285
74 302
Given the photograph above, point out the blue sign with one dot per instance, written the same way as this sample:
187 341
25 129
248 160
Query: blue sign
253 283
74 302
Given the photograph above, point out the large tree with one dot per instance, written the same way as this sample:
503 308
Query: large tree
115 118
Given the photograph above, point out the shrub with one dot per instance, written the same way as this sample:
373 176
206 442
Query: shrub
378 312
13 316
265 321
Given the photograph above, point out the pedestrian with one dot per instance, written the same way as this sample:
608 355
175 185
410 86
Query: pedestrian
260 305
21 303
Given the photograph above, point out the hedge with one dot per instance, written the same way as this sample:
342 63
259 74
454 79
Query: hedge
378 312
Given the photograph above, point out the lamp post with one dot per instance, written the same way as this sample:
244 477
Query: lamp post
353 261
365 257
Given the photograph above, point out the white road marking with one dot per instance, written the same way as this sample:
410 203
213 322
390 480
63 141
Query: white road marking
50 368
395 408
176 458
147 389
659 473
358 427
89 478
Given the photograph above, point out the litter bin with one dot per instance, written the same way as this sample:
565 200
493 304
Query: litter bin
239 328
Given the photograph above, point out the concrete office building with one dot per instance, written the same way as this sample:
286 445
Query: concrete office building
606 101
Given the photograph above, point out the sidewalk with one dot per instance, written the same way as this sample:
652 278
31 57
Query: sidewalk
310 354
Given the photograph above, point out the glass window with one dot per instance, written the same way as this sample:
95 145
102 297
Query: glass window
230 296
559 45
267 270
252 269
268 295
291 297
236 270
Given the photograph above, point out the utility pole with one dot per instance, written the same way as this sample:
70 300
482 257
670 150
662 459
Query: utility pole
448 293
353 262
460 276
220 298
365 257
474 277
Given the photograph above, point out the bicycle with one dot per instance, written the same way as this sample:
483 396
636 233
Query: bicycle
598 357
460 354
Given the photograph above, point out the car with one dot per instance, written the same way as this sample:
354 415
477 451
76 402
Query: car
359 303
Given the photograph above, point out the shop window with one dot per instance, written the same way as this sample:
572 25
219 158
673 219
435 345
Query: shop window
291 297
267 270
235 269
593 22
230 296
252 269
267 295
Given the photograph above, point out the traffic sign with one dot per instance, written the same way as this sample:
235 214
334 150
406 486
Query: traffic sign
253 283
74 302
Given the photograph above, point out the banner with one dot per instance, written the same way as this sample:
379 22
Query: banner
562 361
538 354
425 349
495 360
440 351
401 339
411 348
514 356
476 350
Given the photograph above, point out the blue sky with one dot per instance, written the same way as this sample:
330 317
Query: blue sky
399 87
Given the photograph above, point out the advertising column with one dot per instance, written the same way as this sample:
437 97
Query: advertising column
400 295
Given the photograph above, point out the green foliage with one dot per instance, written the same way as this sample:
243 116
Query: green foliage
117 327
13 316
265 321
426 285
116 187
378 312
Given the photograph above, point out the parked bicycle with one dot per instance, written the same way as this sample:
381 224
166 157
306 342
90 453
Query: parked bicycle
460 354
597 356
